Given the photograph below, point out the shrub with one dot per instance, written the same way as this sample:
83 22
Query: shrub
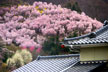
10 62
52 46
5 54
3 68
26 55
19 58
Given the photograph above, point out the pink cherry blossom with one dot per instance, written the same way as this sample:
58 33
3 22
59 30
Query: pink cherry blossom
29 26
1 18
1 12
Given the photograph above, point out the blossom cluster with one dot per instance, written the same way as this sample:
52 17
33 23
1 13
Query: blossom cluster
29 25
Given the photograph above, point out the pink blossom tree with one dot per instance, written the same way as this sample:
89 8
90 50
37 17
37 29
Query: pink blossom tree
31 25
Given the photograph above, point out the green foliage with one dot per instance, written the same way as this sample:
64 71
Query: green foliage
52 46
5 54
75 34
73 6
6 3
12 47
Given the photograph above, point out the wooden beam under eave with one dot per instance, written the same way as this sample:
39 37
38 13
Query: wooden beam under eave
88 45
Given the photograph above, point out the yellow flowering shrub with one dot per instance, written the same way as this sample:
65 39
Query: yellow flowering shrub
20 58
41 11
37 7
45 8
26 55
10 62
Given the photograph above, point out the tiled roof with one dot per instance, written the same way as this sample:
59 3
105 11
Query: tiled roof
50 63
100 36
82 67
58 63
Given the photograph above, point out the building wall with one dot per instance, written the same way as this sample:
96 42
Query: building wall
92 54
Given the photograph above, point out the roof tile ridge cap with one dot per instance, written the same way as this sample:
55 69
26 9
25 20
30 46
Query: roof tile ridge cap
98 32
104 28
76 38
59 56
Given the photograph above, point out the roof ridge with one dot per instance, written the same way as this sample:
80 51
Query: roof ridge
69 66
96 33
101 30
79 37
57 56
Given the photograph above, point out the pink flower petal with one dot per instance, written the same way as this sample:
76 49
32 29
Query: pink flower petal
32 48
38 50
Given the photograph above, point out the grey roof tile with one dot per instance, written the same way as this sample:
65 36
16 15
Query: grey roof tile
101 37
58 63
49 63
82 67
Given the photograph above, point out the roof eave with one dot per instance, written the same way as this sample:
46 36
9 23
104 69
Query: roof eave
87 45
94 45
